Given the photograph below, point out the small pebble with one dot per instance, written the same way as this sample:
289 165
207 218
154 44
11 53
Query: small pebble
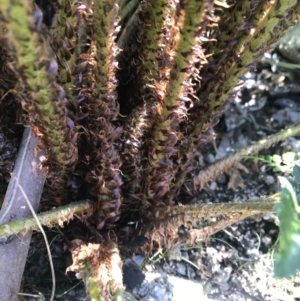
132 276
221 179
185 255
175 254
269 180
181 268
213 186
149 268
271 217
138 259
190 272
210 158
167 268
266 240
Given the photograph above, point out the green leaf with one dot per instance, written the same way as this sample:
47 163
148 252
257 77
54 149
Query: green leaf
289 158
293 183
287 260
277 159
298 199
296 173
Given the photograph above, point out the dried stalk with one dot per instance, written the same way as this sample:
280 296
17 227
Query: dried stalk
100 267
164 231
210 173
178 214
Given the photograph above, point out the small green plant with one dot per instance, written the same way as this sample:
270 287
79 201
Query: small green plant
287 261
282 64
279 163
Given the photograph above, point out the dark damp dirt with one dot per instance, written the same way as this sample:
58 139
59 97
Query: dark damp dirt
234 264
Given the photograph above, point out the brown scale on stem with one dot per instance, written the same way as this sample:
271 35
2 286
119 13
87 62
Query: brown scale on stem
178 63
178 99
152 72
95 87
42 98
224 71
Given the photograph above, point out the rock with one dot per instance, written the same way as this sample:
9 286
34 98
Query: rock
149 268
269 180
271 217
287 116
132 275
210 158
213 186
167 268
138 259
186 290
267 240
156 287
185 255
221 179
181 268
190 272
175 254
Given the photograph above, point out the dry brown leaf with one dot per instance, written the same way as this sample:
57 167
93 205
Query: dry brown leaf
235 179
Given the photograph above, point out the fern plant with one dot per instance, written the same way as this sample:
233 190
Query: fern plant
122 94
